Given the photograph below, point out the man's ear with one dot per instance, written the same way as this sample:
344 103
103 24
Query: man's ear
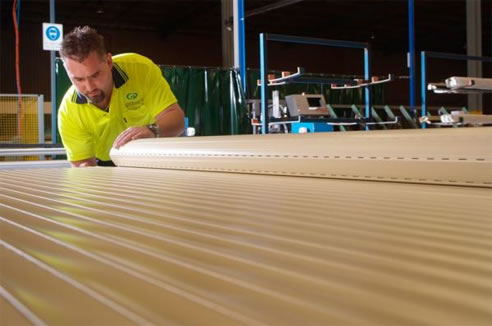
66 69
109 57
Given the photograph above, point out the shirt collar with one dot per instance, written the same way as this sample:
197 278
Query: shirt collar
119 78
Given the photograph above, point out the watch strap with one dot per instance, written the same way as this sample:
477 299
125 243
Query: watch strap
154 127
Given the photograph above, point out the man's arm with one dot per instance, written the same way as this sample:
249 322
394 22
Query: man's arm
170 121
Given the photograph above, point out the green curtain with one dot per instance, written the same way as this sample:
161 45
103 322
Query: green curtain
63 83
211 98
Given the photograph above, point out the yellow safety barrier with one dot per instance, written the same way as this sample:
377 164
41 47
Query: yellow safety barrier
19 120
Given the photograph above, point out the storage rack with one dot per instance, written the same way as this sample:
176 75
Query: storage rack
265 37
423 66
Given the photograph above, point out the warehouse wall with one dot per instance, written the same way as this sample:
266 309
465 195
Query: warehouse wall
35 62
205 50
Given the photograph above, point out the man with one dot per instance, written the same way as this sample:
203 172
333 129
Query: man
112 101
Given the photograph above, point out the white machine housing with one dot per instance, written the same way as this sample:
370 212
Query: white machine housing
306 105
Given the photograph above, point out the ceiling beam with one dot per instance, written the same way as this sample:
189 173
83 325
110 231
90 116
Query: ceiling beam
273 6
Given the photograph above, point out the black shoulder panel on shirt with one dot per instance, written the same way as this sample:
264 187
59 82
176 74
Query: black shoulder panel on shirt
119 76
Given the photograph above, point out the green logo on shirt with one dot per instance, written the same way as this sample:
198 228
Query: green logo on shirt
131 96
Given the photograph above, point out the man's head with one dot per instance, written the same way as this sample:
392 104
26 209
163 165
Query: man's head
88 64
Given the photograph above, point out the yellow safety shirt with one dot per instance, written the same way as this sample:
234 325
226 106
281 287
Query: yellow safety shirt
139 94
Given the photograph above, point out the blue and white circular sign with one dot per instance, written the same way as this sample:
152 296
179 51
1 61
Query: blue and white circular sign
52 36
52 33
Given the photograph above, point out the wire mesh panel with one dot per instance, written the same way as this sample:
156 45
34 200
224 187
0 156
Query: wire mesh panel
19 119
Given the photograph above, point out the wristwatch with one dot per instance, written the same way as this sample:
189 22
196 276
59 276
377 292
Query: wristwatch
154 127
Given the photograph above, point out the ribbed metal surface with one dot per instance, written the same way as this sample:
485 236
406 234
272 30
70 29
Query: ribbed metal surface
116 246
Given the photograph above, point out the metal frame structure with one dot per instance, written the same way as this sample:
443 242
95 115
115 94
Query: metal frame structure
423 66
411 46
241 23
32 151
241 43
53 80
43 164
264 38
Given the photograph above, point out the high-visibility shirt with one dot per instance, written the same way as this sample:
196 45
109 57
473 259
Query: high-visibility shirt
140 93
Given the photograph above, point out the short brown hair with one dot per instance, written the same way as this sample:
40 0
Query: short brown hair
79 43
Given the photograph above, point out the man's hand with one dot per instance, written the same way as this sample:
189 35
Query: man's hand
84 163
132 133
170 121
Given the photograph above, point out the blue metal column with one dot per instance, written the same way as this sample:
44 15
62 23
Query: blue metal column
264 82
53 80
411 54
242 44
367 76
423 85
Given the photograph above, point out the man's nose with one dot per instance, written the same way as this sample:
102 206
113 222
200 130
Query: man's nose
90 85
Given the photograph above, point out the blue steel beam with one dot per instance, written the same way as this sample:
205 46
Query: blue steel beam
53 80
264 82
242 45
367 76
423 86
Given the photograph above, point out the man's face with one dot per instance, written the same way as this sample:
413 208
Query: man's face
92 77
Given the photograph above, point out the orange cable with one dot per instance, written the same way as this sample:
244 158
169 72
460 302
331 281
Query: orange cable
17 68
